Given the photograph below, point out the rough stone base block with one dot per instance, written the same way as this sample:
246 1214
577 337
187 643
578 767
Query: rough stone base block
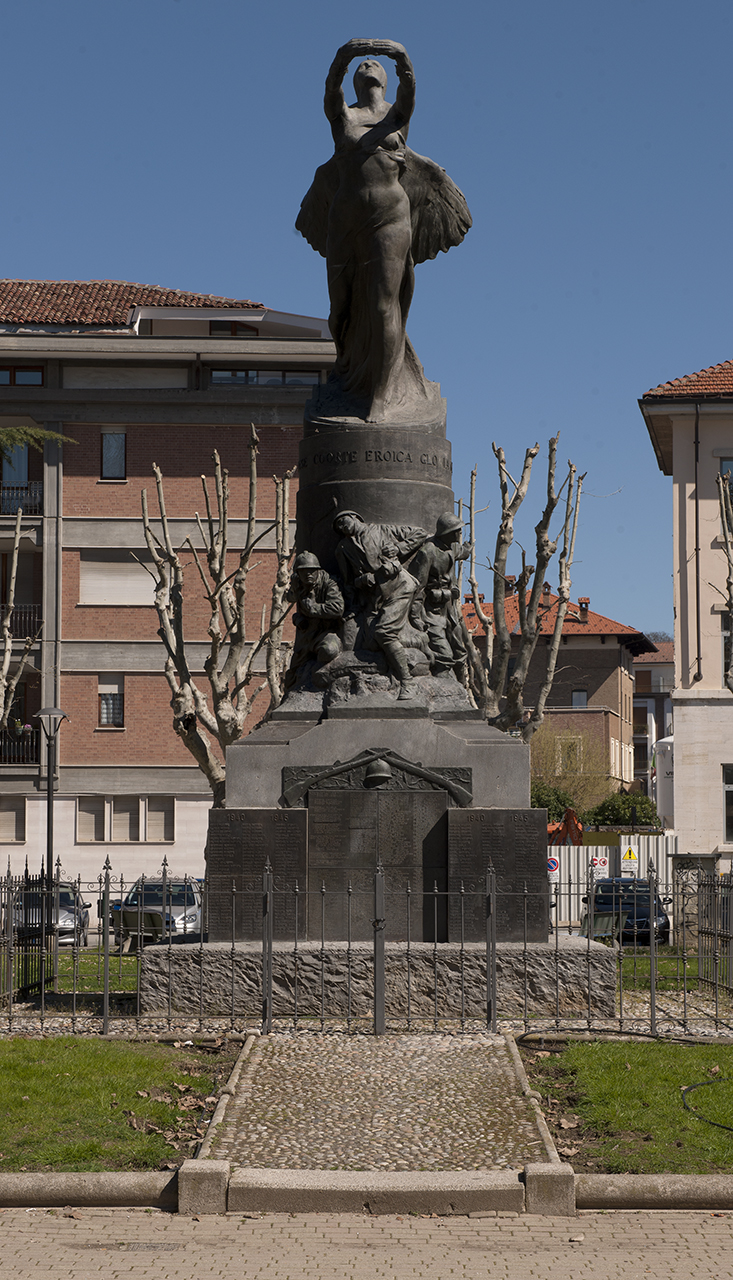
202 1186
188 971
550 1189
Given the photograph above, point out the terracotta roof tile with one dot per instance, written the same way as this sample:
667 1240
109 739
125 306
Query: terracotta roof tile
665 653
597 624
715 381
95 302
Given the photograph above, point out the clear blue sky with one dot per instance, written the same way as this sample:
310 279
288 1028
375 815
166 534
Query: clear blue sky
171 141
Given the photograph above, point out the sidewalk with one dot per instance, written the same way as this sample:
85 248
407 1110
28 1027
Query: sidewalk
43 1245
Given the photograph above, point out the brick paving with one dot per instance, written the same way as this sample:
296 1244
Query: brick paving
395 1103
43 1245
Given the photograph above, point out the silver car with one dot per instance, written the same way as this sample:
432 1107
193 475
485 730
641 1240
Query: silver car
156 910
69 914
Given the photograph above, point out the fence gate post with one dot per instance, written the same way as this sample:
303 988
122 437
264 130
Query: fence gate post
267 931
105 935
491 1021
379 923
652 879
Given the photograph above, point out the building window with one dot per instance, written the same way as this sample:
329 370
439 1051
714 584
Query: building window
15 465
20 376
125 820
231 329
728 801
232 378
264 377
110 576
641 720
569 755
111 698
113 456
12 819
90 819
641 757
159 827
579 699
725 645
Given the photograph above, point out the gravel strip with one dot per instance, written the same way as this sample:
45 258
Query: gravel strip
397 1103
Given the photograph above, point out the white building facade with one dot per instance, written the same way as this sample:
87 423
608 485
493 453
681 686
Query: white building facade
690 423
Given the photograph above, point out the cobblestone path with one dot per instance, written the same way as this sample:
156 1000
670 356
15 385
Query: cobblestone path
310 1101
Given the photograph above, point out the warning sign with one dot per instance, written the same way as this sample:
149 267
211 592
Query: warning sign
629 860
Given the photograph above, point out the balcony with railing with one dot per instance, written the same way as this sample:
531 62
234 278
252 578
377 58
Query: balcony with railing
20 745
28 496
25 620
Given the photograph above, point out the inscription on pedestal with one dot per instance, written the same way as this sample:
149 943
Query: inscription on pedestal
349 833
514 841
239 844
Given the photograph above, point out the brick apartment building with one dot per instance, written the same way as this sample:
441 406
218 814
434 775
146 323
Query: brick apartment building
135 375
592 696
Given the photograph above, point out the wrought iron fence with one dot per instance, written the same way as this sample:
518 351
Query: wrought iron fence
28 496
25 620
645 956
20 747
25 939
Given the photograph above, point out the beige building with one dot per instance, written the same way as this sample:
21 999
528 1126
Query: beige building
690 422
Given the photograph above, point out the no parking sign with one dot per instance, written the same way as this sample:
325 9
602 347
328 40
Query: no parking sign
553 870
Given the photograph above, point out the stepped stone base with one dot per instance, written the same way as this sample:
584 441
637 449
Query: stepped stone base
567 969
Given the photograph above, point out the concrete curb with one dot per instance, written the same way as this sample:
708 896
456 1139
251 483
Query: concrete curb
336 1191
654 1191
98 1190
534 1098
227 1092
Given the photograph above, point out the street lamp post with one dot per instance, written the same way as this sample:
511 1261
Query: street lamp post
50 718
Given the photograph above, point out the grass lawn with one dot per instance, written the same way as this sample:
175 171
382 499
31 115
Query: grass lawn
89 975
617 1108
79 1104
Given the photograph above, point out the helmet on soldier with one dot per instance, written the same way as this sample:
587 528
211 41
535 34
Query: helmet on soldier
306 560
354 515
448 523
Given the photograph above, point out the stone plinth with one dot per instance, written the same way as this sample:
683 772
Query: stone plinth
569 969
390 474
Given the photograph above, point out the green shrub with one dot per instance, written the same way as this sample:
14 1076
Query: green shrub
615 810
554 799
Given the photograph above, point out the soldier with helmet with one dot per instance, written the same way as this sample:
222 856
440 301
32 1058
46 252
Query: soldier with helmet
379 589
434 569
319 610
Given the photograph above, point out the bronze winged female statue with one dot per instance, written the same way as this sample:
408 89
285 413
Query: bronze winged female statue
374 210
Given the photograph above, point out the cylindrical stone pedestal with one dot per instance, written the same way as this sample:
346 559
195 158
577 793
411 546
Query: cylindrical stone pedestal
389 474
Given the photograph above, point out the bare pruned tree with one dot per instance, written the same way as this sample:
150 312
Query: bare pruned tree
220 711
12 668
502 695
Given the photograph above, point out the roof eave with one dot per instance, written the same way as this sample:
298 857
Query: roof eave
662 447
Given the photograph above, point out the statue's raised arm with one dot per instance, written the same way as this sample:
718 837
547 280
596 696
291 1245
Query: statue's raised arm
374 210
334 101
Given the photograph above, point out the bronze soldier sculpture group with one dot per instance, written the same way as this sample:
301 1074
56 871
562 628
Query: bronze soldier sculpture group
397 590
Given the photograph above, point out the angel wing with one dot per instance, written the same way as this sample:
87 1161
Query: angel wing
438 209
440 216
312 221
